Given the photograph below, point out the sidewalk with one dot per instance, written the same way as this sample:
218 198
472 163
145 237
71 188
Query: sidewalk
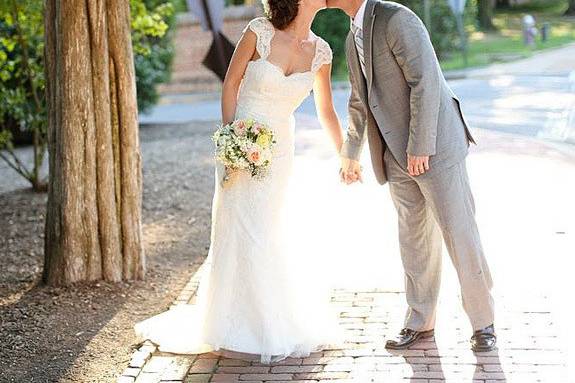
523 188
555 61
523 191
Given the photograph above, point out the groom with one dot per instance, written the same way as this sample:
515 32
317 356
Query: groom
418 141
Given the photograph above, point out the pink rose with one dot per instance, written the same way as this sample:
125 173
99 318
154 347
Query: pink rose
254 155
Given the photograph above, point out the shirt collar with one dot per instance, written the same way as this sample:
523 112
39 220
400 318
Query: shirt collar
358 18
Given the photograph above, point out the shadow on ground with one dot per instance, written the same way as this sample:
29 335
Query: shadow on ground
84 332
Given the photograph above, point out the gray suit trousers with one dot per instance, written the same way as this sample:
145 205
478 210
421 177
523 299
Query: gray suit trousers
429 207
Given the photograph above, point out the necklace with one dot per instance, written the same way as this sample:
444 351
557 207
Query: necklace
301 44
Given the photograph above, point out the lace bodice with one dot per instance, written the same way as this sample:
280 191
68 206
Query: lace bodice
265 32
266 93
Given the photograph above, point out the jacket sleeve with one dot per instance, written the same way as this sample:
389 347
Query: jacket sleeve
357 115
410 43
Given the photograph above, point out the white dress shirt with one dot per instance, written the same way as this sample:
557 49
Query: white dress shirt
358 18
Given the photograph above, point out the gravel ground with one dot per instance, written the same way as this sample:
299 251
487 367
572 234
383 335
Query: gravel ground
84 333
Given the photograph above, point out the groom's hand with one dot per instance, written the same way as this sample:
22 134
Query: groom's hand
350 171
417 165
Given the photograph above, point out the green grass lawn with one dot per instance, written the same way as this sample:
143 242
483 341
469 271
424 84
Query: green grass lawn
506 44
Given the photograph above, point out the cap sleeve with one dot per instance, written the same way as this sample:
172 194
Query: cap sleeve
323 55
264 31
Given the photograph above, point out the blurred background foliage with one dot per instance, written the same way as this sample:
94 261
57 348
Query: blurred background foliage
505 42
22 83
152 23
486 45
333 26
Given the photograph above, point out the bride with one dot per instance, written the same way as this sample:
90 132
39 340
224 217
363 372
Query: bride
254 299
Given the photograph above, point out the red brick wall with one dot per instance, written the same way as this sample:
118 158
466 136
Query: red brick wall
192 44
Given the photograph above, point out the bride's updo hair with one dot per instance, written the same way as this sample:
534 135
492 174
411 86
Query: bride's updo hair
281 12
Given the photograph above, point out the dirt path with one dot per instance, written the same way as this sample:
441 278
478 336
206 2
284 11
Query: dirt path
84 333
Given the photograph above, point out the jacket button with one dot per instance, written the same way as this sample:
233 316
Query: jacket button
374 106
387 132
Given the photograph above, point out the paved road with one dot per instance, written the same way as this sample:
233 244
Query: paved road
533 97
531 105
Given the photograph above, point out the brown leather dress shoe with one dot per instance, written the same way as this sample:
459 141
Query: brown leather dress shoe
484 340
408 337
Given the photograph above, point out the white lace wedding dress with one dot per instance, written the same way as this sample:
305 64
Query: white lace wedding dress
258 296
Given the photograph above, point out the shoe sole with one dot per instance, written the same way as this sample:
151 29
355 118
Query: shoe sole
483 349
423 335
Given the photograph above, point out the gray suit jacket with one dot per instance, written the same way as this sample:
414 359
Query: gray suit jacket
405 104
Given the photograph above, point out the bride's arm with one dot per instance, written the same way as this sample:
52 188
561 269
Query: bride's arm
324 105
243 53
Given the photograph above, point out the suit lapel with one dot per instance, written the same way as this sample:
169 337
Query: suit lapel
368 21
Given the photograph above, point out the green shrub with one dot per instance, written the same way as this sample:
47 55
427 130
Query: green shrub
22 85
153 49
333 26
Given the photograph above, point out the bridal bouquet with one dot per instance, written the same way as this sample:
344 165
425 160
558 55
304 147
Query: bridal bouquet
245 145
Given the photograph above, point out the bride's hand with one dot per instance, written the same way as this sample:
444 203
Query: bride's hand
350 171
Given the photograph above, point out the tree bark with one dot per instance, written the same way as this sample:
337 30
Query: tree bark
485 14
93 220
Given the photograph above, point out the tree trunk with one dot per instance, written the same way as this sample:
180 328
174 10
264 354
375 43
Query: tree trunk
571 10
485 14
93 220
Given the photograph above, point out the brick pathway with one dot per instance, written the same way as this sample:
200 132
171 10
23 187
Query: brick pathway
529 350
527 228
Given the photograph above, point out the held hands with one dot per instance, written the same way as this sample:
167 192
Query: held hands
350 171
417 165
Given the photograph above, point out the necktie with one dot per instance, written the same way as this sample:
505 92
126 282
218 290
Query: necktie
358 38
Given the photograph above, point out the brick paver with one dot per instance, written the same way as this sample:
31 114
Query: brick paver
524 194
529 350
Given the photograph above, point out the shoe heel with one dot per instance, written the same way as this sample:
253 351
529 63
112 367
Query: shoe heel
428 334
